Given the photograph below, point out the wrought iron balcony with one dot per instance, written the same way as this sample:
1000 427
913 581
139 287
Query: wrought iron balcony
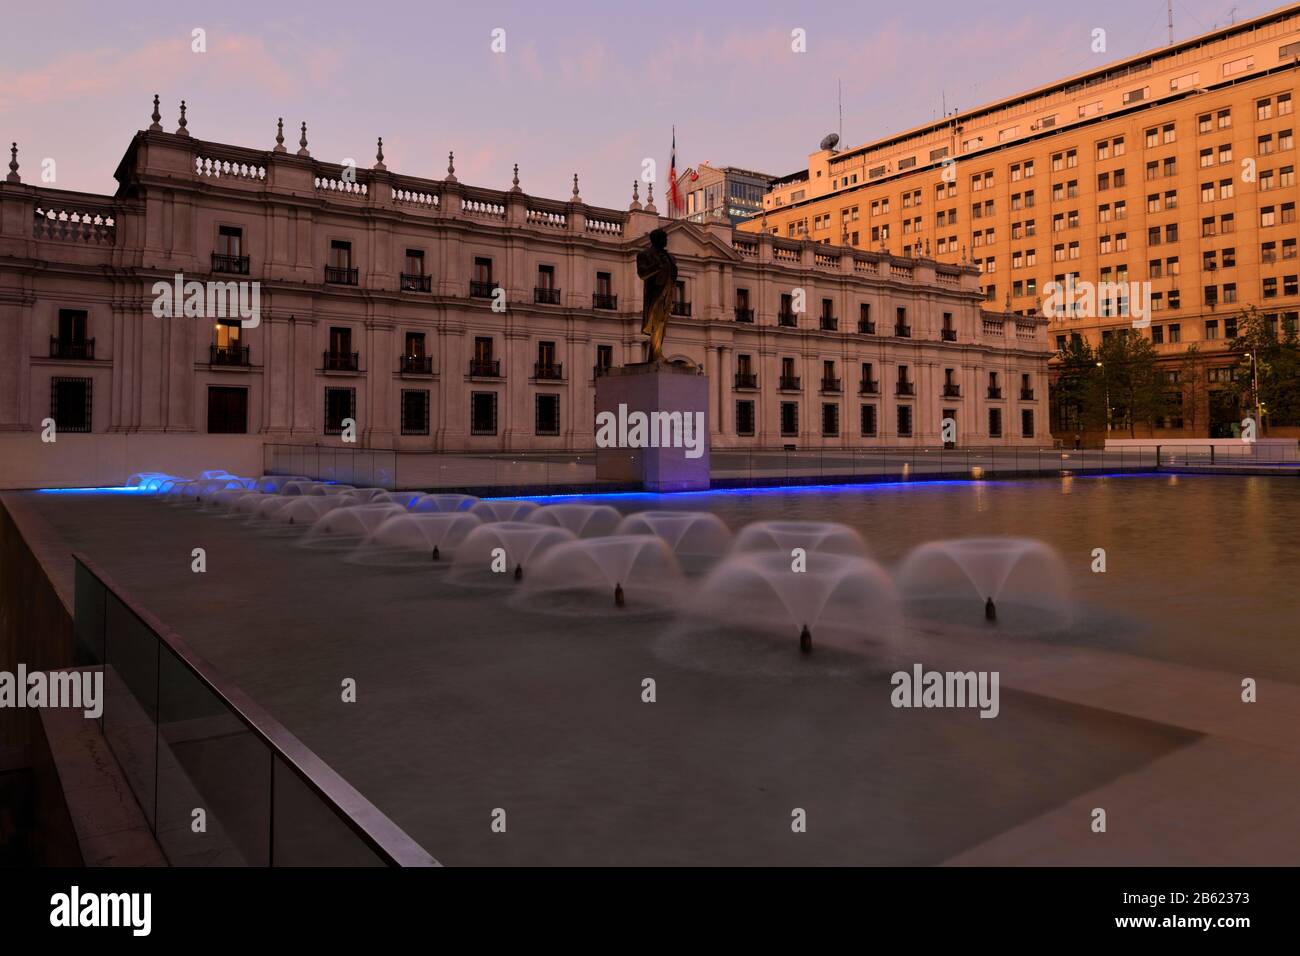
681 308
598 370
485 368
416 282
603 300
831 385
340 275
415 364
952 391
482 289
71 348
744 315
341 361
903 331
905 388
869 387
830 323
235 265
236 355
995 392
948 335
552 371
1026 394
790 383
746 380
546 296
866 327
789 319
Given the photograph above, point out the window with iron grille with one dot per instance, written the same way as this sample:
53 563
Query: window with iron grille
547 414
415 411
483 413
70 403
867 421
340 403
227 410
1027 423
789 419
744 417
904 421
830 420
995 423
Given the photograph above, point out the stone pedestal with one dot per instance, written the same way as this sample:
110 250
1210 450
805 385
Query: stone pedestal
652 427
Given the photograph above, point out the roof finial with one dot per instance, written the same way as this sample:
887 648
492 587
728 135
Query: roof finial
302 141
515 188
635 204
576 197
650 198
156 125
379 155
451 166
180 129
13 165
279 135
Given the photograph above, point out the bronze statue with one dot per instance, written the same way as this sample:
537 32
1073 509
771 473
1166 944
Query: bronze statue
659 272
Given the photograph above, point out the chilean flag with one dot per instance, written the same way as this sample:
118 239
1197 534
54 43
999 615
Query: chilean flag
675 204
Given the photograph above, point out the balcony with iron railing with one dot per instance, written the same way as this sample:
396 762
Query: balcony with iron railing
951 391
234 265
548 371
604 300
948 335
230 355
790 383
332 361
546 296
83 349
995 392
903 331
482 288
830 323
866 327
416 282
869 387
340 275
831 386
485 368
681 308
598 370
905 388
788 319
1026 394
744 315
415 364
746 380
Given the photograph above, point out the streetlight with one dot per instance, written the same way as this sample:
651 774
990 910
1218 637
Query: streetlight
1254 385
1106 383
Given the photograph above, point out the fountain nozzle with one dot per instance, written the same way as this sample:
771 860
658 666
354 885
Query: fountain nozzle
618 595
990 610
519 571
805 640
435 552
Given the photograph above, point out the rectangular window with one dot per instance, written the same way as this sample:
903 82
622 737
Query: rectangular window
867 421
70 403
745 417
904 421
789 419
547 414
995 423
340 403
1026 423
483 413
830 420
415 411
227 410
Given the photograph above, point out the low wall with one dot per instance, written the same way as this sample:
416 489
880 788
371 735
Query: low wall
1264 449
108 459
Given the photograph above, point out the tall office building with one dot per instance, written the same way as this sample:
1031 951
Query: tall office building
726 194
1174 168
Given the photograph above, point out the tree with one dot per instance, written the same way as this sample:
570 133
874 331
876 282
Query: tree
1193 370
1077 396
1130 379
1270 360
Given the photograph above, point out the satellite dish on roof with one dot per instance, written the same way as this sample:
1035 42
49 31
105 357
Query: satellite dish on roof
830 140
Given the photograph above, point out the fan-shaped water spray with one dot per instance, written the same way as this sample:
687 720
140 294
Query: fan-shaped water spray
811 536
691 534
405 539
274 484
502 550
345 526
586 521
633 570
303 510
444 502
503 509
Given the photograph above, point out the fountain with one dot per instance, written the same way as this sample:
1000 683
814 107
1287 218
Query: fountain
366 495
697 538
841 600
404 498
344 526
503 509
329 488
299 486
813 536
444 502
1005 576
304 510
638 569
586 521
410 539
521 543
274 484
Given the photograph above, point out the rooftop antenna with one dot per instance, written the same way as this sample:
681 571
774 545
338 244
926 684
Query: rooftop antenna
1170 6
839 86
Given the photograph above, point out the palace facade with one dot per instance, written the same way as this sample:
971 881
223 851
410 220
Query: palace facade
440 316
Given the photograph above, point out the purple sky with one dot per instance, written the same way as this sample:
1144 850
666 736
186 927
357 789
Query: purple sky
586 87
